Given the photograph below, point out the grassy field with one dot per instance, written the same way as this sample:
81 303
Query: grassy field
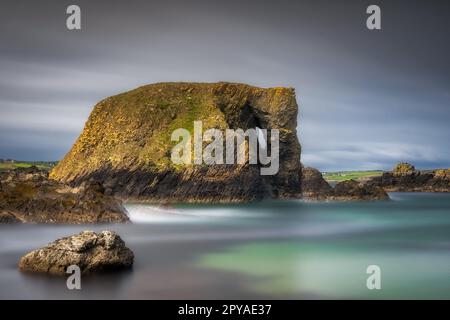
5 166
348 175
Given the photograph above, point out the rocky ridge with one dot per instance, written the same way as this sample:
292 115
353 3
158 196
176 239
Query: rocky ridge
405 178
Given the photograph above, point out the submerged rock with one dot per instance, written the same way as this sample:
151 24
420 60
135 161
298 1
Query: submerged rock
27 195
126 143
88 250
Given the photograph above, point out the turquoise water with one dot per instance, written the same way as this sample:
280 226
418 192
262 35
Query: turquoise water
283 249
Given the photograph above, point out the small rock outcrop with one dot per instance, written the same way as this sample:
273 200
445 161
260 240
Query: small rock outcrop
405 178
8 218
27 195
403 169
88 250
126 143
352 190
316 188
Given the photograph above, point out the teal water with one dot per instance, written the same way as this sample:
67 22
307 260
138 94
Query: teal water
408 238
282 249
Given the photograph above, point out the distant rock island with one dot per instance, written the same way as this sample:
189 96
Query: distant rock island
126 144
405 178
315 188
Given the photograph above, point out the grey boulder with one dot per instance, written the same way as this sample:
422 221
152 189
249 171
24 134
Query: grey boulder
88 250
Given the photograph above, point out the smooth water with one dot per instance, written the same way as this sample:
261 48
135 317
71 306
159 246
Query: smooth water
284 249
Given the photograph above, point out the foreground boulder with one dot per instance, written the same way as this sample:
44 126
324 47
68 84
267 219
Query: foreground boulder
27 195
405 178
316 188
88 250
126 143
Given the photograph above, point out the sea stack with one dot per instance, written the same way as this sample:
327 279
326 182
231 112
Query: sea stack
126 144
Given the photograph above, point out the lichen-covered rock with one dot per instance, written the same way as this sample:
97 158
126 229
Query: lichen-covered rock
126 143
88 250
442 174
403 169
27 195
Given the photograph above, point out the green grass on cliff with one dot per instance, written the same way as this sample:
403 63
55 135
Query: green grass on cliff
133 129
349 175
9 165
184 110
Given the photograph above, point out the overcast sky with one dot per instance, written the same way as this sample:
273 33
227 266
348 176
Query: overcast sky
367 98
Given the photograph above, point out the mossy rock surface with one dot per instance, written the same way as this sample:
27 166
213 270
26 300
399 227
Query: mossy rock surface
403 168
126 143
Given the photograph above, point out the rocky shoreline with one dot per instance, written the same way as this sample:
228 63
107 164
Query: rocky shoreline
27 195
124 153
316 188
405 178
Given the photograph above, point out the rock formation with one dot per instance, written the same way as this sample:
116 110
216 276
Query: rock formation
27 195
403 169
8 218
126 143
315 188
88 250
405 178
352 190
